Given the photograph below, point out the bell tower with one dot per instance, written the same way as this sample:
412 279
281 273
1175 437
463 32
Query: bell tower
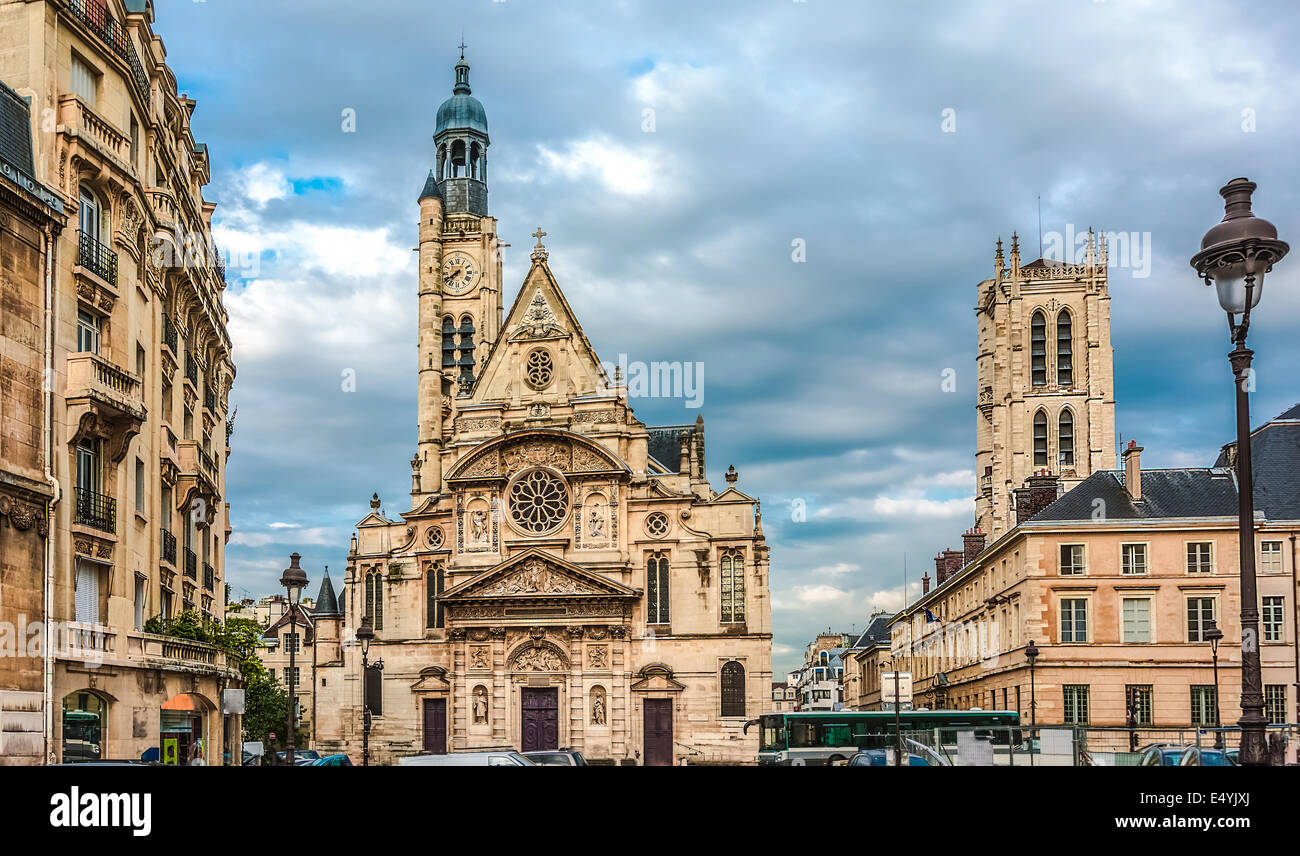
460 274
1046 397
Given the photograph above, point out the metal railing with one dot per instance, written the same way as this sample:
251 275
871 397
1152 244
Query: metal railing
94 13
96 510
168 547
191 564
191 368
169 335
209 577
209 397
98 258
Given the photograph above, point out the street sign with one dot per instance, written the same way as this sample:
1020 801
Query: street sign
896 681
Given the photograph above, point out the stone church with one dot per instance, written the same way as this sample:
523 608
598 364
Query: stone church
566 575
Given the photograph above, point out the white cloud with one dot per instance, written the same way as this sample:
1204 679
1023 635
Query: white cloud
620 169
261 183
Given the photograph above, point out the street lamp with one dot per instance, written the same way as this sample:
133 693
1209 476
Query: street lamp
365 634
294 580
1031 655
1235 255
1214 636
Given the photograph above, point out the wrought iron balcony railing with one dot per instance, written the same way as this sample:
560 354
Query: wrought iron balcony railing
191 564
96 510
169 336
209 577
100 259
191 368
168 547
95 15
209 397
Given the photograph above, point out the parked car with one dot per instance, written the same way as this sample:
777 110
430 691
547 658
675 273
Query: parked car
490 758
1195 757
883 758
557 758
1162 755
331 761
301 757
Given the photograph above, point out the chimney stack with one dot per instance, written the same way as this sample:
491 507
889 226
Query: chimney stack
925 584
1133 469
1040 490
973 541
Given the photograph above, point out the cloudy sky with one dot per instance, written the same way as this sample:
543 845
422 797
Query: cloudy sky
895 142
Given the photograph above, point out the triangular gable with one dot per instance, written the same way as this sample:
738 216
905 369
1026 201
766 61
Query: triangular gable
731 494
303 619
656 677
374 518
540 313
537 574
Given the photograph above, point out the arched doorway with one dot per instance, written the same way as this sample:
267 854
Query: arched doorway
85 715
182 738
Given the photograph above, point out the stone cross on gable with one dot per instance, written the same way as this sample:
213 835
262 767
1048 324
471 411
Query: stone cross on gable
539 251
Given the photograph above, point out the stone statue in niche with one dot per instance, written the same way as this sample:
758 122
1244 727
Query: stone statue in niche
596 527
480 705
597 706
478 526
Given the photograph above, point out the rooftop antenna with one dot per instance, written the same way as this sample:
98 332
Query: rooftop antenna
1040 224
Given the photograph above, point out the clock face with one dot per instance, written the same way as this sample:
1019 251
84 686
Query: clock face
459 273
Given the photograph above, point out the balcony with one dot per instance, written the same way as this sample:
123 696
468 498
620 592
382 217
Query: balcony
162 203
209 397
169 336
198 478
191 564
209 577
76 117
186 655
96 257
88 641
191 369
95 510
94 14
104 402
168 547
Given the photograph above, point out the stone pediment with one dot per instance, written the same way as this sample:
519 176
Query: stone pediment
502 457
535 574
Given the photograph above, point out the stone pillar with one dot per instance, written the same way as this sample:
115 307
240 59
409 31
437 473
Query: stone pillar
500 688
460 712
429 337
577 692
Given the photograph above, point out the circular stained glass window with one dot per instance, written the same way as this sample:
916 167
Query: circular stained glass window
540 369
434 537
656 525
539 501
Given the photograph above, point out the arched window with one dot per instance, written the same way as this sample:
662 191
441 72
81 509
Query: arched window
448 343
84 717
733 586
1064 349
442 162
1038 349
1040 439
466 347
733 689
434 582
374 606
1065 437
657 589
458 155
475 153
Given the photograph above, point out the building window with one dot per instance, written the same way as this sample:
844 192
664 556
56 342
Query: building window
1270 556
1133 559
733 689
87 332
448 343
1137 703
1065 438
1272 615
1038 349
1200 557
1136 616
374 594
466 348
83 80
86 592
135 143
1064 350
1072 563
1040 439
1074 619
1200 615
733 586
139 486
434 585
1275 703
291 676
292 642
1075 704
657 589
1205 706
141 599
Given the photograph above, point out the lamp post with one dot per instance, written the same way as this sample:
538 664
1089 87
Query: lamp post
1031 655
1214 636
898 718
1235 255
294 580
365 633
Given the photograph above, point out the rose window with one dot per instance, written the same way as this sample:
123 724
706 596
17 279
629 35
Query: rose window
434 537
539 369
656 525
538 501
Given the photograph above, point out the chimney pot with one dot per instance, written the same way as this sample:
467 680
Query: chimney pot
1133 469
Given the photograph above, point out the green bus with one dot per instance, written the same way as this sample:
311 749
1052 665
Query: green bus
823 738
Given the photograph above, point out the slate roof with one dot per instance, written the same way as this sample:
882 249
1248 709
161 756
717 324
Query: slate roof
1275 465
665 445
15 131
431 189
326 602
877 631
1191 492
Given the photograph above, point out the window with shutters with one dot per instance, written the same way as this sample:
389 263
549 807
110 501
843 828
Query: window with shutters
1040 439
1065 439
732 579
86 592
1136 618
83 80
733 689
1038 349
657 589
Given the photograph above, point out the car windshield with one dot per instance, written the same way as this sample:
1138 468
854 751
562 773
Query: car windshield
553 759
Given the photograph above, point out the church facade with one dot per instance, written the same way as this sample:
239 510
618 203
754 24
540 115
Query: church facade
566 576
